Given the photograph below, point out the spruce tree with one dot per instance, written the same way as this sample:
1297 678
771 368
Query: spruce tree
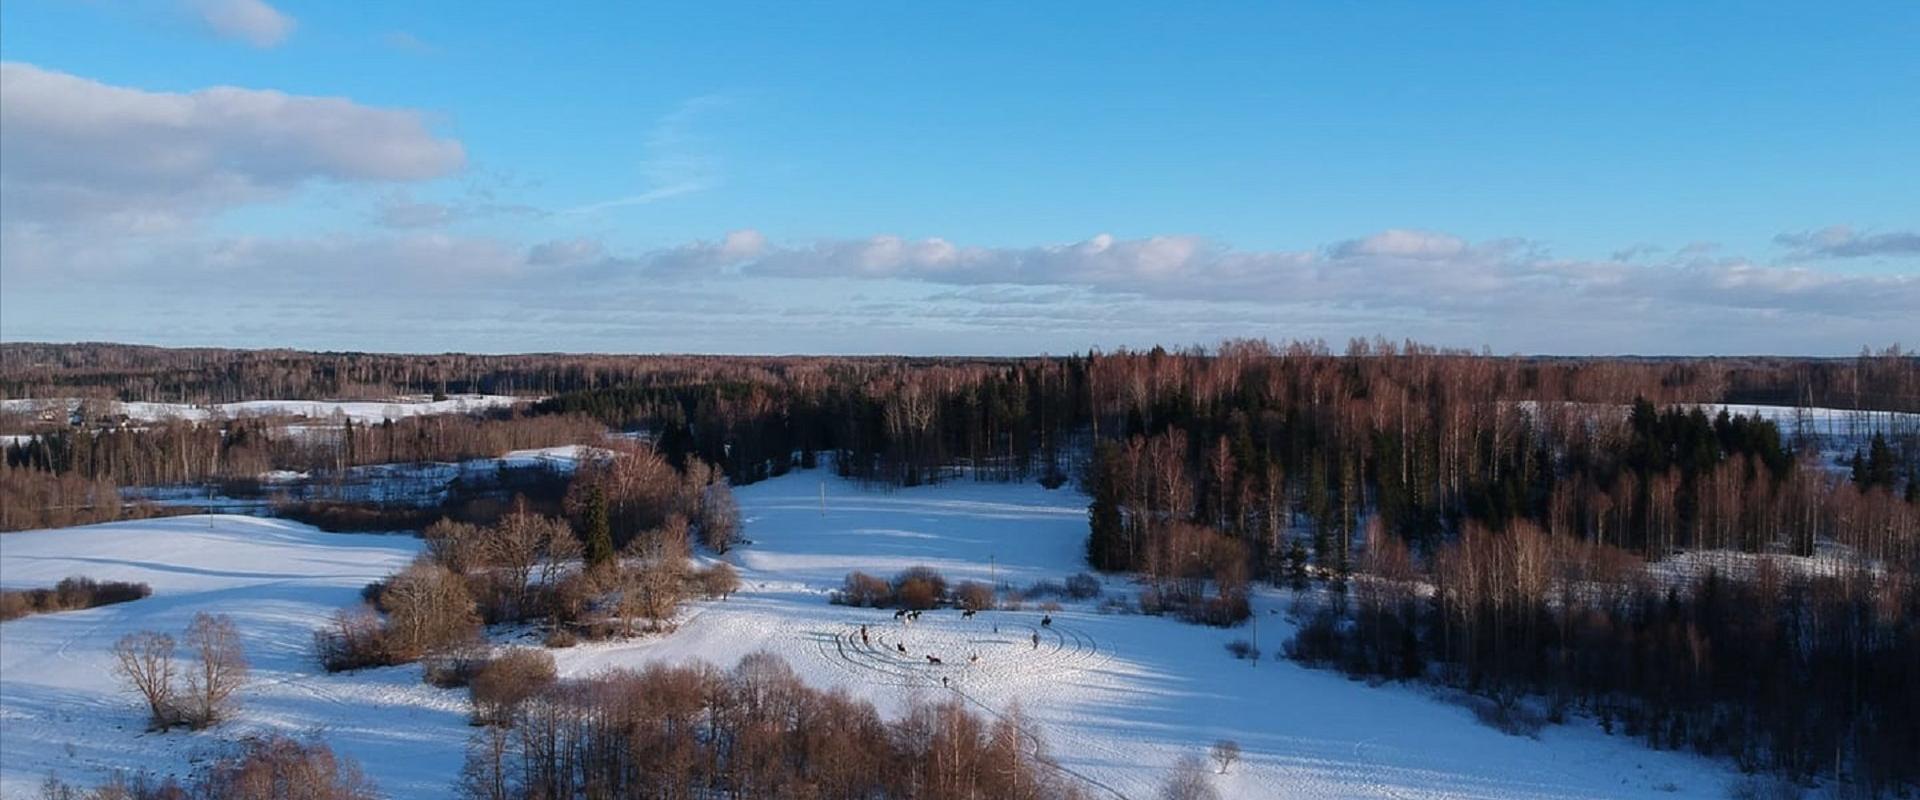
597 532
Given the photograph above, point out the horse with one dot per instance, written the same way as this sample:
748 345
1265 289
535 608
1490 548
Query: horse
902 647
933 660
899 614
1046 621
967 614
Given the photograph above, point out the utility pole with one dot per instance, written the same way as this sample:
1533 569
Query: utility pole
993 572
823 498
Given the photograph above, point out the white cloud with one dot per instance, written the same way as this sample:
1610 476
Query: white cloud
1842 241
77 150
741 292
250 21
1400 243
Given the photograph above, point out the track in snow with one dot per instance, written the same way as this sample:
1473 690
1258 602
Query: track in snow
1007 649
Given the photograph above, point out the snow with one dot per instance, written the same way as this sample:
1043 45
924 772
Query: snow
419 484
358 411
1830 559
1118 697
62 711
1832 434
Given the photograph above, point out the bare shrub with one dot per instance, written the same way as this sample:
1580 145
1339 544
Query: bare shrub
279 767
1083 586
144 660
353 639
14 605
1242 649
118 787
652 591
570 598
458 546
428 610
861 589
974 596
1218 611
916 594
521 547
1188 781
756 730
718 580
221 669
70 594
919 588
1507 713
502 684
454 668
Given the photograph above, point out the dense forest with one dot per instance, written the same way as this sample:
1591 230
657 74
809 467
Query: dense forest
1492 524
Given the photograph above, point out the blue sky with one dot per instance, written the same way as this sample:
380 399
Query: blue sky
966 178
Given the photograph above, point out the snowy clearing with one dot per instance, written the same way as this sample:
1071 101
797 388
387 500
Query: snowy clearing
1118 697
362 411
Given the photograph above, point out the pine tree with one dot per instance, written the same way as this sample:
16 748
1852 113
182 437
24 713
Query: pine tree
1880 463
597 532
1105 548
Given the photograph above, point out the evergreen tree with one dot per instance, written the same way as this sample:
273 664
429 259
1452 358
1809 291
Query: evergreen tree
597 532
1880 463
1106 547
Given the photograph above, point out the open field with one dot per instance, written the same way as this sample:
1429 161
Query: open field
1117 697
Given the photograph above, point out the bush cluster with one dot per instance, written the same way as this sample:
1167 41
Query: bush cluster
70 594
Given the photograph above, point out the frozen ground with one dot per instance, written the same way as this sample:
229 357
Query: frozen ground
1117 697
358 411
420 484
1833 434
61 711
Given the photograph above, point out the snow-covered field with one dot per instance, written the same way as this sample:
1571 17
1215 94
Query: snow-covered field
61 710
420 484
1118 697
359 411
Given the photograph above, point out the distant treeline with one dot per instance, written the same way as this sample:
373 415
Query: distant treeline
1888 380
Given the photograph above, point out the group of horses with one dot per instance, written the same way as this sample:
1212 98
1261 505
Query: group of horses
906 616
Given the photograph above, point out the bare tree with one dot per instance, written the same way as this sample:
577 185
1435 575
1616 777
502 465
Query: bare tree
222 668
1225 752
487 774
1188 781
653 590
428 608
718 581
145 661
521 544
719 517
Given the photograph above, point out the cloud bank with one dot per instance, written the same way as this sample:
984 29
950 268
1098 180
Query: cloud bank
77 150
1842 241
